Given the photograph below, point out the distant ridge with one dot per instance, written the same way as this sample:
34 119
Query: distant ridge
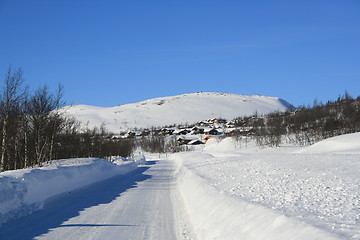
181 109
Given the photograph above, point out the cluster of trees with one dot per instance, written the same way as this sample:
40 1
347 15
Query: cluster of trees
160 144
307 125
33 132
28 127
73 143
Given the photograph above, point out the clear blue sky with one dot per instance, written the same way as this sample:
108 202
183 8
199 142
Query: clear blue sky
107 53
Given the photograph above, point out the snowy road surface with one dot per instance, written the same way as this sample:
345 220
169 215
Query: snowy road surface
134 206
226 190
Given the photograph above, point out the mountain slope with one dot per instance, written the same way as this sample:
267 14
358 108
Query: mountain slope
186 108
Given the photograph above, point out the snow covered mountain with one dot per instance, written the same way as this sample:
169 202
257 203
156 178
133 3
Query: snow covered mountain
181 109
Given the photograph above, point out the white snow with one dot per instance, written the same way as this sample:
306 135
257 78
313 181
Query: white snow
251 193
348 144
23 191
227 190
138 205
182 109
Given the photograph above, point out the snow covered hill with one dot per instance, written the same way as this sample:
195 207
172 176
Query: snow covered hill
186 108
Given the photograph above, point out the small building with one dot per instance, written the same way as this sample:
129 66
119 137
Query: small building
197 130
186 139
145 132
220 120
211 131
168 131
206 138
180 132
203 123
195 142
232 131
130 134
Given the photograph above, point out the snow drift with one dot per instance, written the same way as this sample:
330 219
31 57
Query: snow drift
348 144
186 108
23 191
215 215
235 190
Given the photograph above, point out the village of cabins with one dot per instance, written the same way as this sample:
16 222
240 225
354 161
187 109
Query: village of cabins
195 134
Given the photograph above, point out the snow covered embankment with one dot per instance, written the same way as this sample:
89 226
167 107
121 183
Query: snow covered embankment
216 215
235 190
23 191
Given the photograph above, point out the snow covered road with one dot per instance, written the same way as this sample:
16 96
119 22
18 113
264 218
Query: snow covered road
138 205
222 190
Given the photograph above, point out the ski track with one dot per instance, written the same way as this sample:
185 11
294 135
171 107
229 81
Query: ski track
135 206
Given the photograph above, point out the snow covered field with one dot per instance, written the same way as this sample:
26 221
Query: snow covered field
234 192
223 190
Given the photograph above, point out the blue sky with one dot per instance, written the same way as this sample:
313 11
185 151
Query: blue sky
108 53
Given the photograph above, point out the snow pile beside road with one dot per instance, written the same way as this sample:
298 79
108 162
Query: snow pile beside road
23 191
270 193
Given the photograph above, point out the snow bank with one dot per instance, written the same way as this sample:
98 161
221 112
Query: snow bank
216 215
23 191
235 190
230 144
349 144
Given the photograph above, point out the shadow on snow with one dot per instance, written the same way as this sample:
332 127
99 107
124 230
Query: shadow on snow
68 205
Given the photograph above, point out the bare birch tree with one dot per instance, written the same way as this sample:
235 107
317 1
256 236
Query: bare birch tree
44 121
11 99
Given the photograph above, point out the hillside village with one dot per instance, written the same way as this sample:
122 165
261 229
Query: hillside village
305 125
195 134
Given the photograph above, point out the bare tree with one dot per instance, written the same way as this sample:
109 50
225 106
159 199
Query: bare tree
11 99
44 121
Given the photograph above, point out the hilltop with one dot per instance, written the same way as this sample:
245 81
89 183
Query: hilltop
181 109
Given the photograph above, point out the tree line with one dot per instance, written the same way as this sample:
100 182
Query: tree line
306 125
32 131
